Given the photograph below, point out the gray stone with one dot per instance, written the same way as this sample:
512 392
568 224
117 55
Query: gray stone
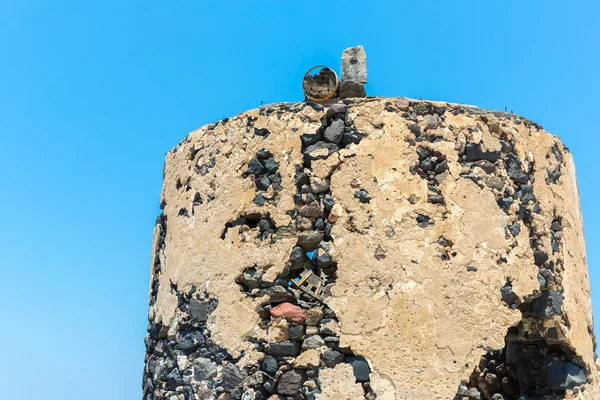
232 377
256 167
352 89
354 64
297 258
548 304
263 183
190 339
363 196
332 357
296 332
278 294
336 109
495 182
441 167
269 365
335 132
473 152
514 169
250 278
352 136
283 349
271 165
564 375
360 366
431 122
204 369
312 342
320 151
291 382
309 240
515 229
198 311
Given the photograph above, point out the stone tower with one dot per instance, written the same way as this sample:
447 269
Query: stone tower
380 248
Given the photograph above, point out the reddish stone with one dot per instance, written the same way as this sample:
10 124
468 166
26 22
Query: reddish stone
289 312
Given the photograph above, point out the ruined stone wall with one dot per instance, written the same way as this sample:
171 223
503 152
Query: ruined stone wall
443 245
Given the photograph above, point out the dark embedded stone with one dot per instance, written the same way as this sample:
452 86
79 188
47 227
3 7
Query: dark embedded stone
296 332
269 386
360 367
486 166
260 199
436 198
319 224
548 304
265 224
332 357
232 377
250 278
352 136
514 169
473 152
564 375
190 339
336 109
328 228
471 269
312 342
263 154
271 165
556 226
427 164
324 260
261 132
553 176
363 196
301 179
278 294
314 152
335 132
222 355
540 257
328 204
204 369
263 183
508 296
527 194
291 382
352 89
283 349
423 220
441 167
198 311
415 129
542 281
309 198
269 365
310 240
422 108
297 258
311 138
505 203
515 229
423 152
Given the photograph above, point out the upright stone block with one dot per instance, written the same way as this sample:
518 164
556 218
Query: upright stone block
354 65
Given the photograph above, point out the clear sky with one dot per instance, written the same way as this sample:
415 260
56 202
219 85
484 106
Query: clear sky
94 93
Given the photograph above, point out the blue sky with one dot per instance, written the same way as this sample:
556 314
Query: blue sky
94 93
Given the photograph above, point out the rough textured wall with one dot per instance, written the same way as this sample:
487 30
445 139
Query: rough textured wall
448 241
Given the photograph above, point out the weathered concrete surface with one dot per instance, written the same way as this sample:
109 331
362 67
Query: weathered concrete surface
420 309
354 64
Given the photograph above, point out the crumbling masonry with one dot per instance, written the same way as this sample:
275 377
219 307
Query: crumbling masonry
372 248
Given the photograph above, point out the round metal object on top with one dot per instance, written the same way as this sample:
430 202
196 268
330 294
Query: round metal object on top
321 86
